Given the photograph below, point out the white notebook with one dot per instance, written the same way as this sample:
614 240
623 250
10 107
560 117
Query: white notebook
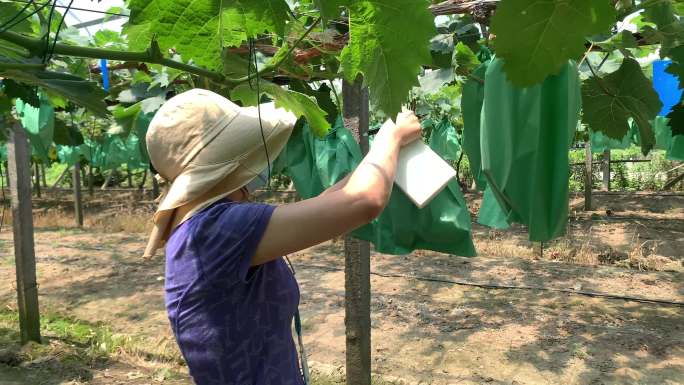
421 172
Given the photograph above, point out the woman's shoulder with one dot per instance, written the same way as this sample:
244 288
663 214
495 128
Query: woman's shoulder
224 216
226 212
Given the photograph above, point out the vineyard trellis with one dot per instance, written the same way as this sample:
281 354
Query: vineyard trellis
396 47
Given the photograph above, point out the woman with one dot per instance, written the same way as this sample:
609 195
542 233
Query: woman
229 294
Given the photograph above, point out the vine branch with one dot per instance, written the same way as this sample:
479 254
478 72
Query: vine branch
152 55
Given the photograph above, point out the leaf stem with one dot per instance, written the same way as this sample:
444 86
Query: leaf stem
152 55
598 79
21 66
281 59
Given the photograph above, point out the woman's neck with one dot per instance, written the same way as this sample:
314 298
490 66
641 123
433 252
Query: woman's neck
180 212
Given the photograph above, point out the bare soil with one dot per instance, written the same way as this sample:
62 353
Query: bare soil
426 330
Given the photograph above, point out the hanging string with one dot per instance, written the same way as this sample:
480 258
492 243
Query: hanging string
47 34
59 28
253 58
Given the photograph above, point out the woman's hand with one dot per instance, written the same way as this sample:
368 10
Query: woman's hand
406 130
408 127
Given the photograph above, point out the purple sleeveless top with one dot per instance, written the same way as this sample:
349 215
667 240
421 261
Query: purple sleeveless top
233 322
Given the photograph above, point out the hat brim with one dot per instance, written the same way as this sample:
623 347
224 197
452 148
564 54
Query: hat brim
234 172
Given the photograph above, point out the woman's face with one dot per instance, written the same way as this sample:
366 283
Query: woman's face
244 194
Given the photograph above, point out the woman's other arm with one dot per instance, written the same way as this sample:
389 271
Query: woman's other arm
343 207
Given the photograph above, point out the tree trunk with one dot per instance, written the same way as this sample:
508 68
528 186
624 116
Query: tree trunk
42 176
78 199
357 256
19 171
36 182
588 177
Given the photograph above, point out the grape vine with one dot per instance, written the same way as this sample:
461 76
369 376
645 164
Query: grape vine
402 51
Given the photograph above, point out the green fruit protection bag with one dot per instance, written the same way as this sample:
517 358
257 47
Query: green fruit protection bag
471 107
525 136
39 124
601 142
315 164
445 141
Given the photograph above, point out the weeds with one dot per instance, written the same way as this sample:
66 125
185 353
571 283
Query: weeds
74 346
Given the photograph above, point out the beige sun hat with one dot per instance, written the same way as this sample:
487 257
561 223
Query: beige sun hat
199 141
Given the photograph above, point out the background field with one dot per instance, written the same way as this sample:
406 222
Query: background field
105 321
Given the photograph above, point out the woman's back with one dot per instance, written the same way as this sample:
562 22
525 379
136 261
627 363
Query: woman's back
232 321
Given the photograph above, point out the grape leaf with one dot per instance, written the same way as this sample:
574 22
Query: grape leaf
621 40
132 119
389 41
465 60
676 117
8 11
442 49
322 96
677 66
671 28
433 81
108 38
331 9
15 90
192 26
12 17
66 134
609 102
536 38
80 91
295 102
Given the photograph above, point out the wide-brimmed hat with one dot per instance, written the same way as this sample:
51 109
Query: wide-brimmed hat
200 141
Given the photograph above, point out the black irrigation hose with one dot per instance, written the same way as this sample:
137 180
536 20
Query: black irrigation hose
494 286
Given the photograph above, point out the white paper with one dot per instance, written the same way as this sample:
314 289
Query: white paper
421 172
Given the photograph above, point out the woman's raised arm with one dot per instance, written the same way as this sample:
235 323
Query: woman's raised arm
344 207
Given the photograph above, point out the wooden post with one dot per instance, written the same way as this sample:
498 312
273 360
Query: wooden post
673 182
357 256
61 177
605 168
129 177
91 181
107 179
42 176
18 154
7 174
141 186
84 177
78 201
36 183
155 187
588 177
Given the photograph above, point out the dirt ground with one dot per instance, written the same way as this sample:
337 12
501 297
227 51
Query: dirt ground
426 328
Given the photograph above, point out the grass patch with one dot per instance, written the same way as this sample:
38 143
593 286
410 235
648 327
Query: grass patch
74 346
337 379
